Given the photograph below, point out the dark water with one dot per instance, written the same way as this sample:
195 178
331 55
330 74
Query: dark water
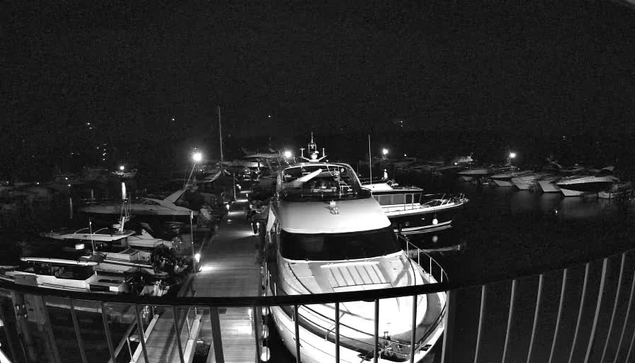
505 232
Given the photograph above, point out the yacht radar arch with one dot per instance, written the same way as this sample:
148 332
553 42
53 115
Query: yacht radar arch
312 151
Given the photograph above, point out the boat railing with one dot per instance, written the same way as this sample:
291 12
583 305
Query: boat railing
435 271
579 313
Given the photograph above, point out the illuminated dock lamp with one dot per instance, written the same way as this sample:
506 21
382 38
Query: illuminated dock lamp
121 168
384 152
197 157
511 157
288 154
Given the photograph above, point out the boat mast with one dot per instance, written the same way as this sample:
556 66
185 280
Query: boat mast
220 135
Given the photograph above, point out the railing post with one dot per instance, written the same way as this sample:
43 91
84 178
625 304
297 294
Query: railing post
376 345
541 280
216 334
104 318
510 317
587 269
413 329
177 332
563 289
448 332
296 322
337 332
597 309
616 299
142 334
480 322
628 313
78 333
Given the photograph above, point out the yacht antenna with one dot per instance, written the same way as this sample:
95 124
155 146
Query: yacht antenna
90 230
370 161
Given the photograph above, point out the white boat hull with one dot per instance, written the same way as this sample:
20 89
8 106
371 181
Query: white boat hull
503 183
317 349
572 193
548 186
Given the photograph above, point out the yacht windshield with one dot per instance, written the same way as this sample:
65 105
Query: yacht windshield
332 181
340 246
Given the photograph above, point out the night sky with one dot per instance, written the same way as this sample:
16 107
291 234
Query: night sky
129 68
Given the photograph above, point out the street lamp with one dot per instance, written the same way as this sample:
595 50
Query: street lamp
384 151
196 157
512 155
288 154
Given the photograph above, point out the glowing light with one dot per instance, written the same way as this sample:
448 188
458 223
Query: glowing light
265 354
404 155
265 332
197 257
121 167
435 221
512 155
384 151
227 206
197 157
288 154
435 239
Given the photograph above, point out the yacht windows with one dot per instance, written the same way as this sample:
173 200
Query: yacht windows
338 246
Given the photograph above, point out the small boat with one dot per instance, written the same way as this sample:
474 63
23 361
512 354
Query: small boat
505 179
66 274
173 205
618 190
575 186
410 211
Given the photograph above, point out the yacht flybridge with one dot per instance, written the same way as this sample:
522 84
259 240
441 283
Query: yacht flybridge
326 234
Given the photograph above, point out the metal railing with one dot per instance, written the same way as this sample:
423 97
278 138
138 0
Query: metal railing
581 313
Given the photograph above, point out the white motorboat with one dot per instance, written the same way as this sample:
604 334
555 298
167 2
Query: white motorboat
473 172
504 179
411 211
617 190
66 274
325 234
529 180
579 185
173 205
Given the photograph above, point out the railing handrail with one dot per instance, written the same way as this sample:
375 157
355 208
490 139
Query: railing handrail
253 301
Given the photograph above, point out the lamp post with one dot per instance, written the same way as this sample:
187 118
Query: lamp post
512 156
384 153
196 157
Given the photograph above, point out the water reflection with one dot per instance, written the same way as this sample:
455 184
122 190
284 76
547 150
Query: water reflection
587 209
525 202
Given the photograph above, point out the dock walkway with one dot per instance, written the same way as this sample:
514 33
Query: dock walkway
228 267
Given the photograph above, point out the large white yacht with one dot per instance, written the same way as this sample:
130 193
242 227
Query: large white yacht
326 234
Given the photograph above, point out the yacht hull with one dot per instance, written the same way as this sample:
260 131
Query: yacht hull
548 186
316 349
422 221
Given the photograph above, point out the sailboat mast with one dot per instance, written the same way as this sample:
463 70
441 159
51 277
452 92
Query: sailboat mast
220 135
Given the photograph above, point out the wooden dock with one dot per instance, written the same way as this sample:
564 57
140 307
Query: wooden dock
228 267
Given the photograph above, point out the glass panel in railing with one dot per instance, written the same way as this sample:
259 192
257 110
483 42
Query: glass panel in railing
230 332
